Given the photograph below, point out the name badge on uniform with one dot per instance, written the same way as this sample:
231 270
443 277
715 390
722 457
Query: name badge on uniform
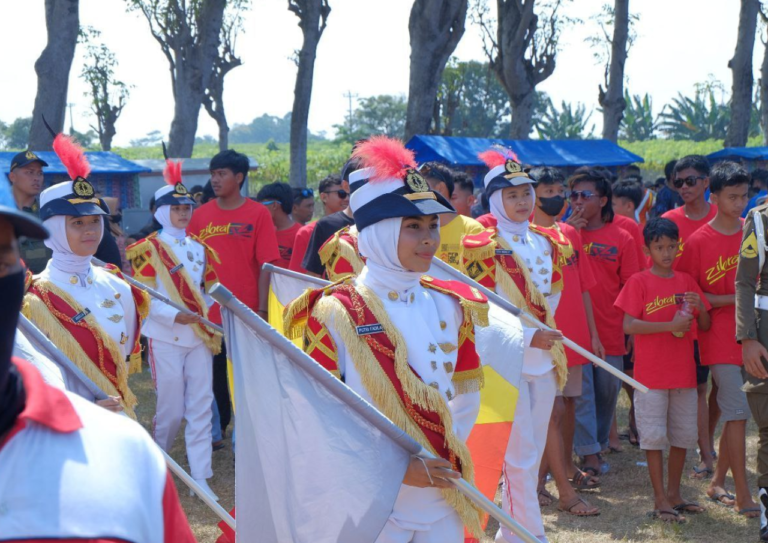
505 252
368 329
80 316
177 268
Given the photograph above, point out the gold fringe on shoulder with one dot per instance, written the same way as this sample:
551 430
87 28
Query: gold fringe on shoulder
294 328
475 312
476 253
328 309
36 311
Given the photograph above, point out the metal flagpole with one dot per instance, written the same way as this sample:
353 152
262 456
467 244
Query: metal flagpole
227 300
296 275
54 353
504 304
152 292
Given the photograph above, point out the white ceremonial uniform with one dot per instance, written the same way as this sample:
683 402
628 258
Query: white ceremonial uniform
420 515
538 387
107 298
181 367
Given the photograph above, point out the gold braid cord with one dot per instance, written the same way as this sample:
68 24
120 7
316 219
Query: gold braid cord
329 311
161 272
47 319
507 285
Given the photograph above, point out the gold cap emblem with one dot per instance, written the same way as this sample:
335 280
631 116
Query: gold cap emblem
181 189
30 155
82 188
416 182
512 167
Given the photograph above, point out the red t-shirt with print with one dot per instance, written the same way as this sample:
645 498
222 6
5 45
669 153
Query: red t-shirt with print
570 317
711 259
687 226
612 254
662 361
633 229
286 240
244 239
300 245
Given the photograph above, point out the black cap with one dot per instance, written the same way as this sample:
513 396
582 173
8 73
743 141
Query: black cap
24 158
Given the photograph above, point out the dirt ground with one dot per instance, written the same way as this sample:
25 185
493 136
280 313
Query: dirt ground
624 499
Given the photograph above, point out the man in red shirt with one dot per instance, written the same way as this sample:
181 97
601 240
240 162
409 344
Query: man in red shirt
659 306
303 205
612 254
242 234
691 179
329 190
70 470
711 256
575 319
278 199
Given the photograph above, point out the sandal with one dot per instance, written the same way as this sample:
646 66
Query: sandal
568 508
747 510
701 473
718 497
584 481
589 470
689 507
634 437
544 495
657 515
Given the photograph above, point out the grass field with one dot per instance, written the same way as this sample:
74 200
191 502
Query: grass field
624 499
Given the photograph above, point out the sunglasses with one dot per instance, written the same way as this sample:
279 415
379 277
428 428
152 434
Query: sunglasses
305 193
581 194
341 192
690 181
267 202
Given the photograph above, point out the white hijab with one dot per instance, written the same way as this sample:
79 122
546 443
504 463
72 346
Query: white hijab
163 216
500 214
378 244
63 258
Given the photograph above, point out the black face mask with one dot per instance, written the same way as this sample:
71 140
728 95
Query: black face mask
11 388
552 206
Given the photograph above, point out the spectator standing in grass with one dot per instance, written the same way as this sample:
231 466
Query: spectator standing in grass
659 306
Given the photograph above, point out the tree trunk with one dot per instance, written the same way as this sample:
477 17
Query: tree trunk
313 15
522 116
62 22
612 98
764 95
435 27
193 62
741 67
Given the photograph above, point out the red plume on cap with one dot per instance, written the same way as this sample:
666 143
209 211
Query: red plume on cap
497 156
387 156
72 156
172 172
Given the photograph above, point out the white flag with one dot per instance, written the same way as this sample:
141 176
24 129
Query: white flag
310 467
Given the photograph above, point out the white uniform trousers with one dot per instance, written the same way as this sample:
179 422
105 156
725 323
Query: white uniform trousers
448 529
184 382
524 451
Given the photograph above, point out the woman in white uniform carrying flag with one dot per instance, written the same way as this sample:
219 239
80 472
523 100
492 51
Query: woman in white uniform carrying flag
404 341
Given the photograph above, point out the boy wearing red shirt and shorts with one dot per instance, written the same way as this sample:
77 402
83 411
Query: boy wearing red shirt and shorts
659 306
711 256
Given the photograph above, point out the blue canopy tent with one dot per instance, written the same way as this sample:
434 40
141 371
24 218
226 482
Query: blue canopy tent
111 174
558 153
746 154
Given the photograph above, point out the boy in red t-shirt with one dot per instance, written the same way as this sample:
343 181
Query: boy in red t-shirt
612 254
710 257
690 177
575 319
659 305
278 199
242 234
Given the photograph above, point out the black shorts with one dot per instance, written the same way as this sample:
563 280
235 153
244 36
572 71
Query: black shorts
702 372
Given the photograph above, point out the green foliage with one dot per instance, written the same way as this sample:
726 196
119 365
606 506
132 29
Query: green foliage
699 118
323 158
262 129
382 115
638 123
569 123
15 136
471 102
658 152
